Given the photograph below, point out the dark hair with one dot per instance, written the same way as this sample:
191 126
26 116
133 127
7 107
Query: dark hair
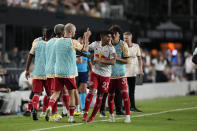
115 28
47 33
105 33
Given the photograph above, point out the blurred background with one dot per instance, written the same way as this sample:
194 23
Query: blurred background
166 30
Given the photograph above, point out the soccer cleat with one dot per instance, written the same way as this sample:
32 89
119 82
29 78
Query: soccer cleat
127 119
58 117
64 115
112 118
71 120
27 113
102 114
48 113
85 116
42 114
90 120
52 118
34 115
77 113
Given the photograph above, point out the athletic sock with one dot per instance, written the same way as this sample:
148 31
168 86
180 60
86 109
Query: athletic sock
35 101
111 103
65 99
54 109
29 105
88 101
45 103
97 106
72 110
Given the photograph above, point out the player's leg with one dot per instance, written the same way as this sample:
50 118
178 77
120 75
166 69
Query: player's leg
102 88
59 85
71 86
82 88
37 89
30 106
122 84
65 102
83 79
97 106
46 98
111 95
93 84
77 102
102 109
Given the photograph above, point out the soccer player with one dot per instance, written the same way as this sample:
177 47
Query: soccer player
118 78
65 67
39 75
135 54
50 72
104 57
82 79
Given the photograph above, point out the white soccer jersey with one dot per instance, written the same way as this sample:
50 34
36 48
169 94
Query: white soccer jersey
102 52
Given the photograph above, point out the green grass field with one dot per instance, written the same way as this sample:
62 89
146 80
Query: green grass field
172 114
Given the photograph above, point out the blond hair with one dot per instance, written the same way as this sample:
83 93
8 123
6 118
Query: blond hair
128 33
69 27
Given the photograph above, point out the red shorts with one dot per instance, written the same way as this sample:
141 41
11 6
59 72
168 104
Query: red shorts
38 86
68 82
120 83
51 83
99 82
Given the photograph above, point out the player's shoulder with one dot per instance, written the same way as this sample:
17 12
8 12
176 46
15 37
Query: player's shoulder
124 44
37 39
136 45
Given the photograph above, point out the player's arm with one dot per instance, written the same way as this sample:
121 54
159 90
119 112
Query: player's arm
109 62
139 56
87 34
90 66
79 60
30 57
29 60
125 52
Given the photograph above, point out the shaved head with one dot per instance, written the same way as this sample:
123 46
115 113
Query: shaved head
59 29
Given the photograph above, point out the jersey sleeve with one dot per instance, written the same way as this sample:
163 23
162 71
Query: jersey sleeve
76 45
138 50
125 49
92 46
112 52
33 48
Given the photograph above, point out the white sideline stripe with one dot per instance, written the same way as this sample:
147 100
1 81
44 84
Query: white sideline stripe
148 114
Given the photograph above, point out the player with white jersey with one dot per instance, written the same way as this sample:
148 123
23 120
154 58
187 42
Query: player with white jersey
104 57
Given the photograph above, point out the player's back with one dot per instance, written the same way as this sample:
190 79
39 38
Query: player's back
65 58
50 57
40 59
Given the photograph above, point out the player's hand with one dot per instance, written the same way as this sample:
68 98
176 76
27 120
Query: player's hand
27 74
141 73
96 62
88 33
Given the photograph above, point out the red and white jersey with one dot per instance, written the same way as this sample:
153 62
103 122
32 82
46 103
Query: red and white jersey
102 52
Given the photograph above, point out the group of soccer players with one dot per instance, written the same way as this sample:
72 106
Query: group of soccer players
55 69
